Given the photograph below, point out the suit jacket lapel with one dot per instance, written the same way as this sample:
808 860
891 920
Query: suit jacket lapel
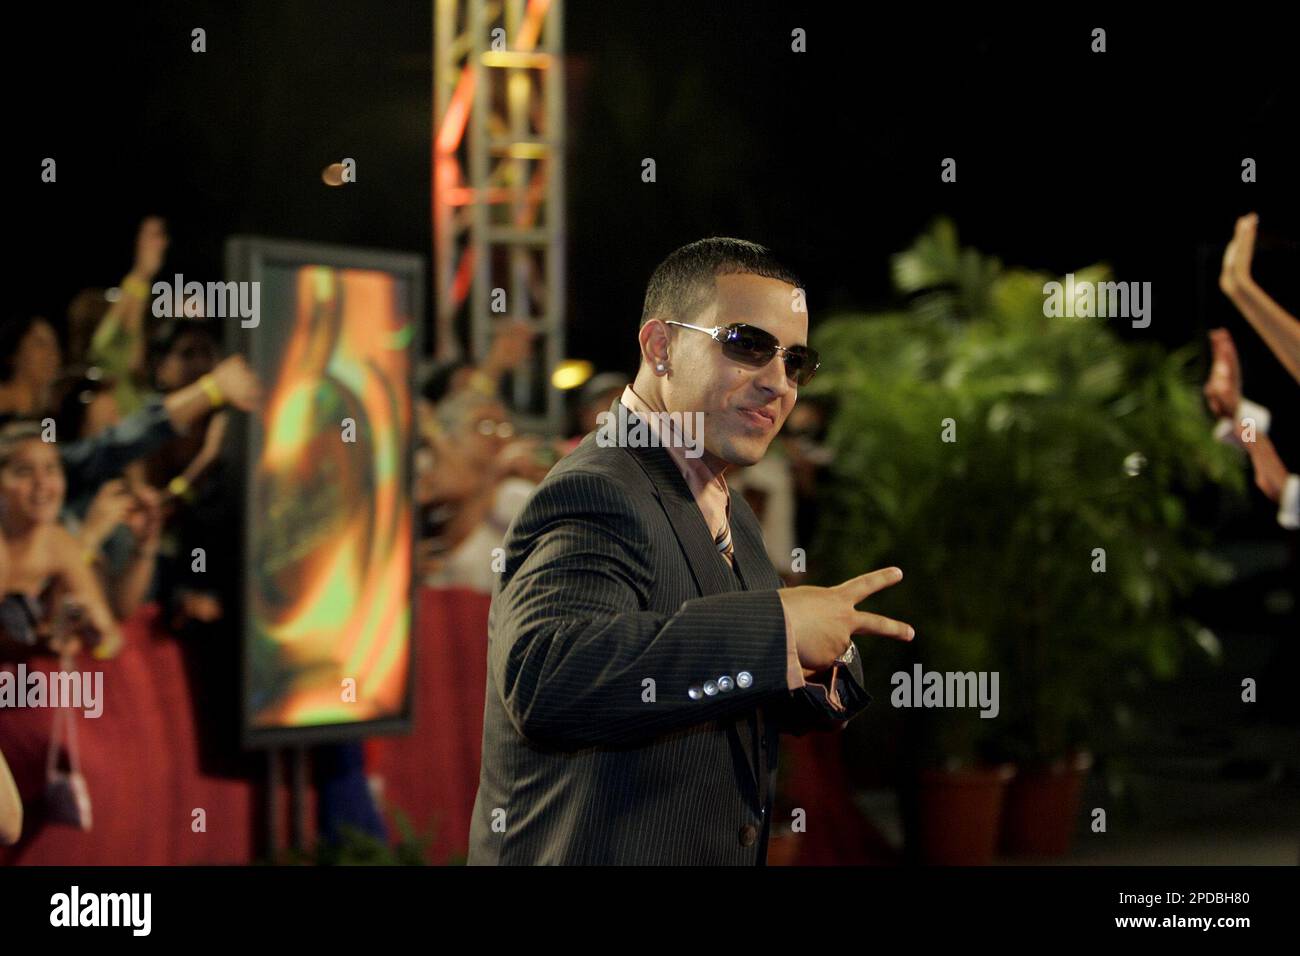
707 565
751 553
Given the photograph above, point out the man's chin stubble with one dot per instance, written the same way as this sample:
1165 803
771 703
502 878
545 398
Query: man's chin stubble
743 459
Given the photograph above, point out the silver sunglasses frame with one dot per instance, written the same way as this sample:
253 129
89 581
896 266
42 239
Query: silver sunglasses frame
713 334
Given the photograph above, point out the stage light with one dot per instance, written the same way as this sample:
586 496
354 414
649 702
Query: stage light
572 373
515 59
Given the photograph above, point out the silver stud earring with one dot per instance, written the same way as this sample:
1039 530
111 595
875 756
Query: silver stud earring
659 367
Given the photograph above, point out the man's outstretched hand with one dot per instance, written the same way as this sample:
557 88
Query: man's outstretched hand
824 620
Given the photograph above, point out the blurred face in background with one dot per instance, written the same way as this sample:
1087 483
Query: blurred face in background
191 356
485 430
38 357
32 484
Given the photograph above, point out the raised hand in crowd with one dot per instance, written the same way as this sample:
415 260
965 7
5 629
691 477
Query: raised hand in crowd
1278 328
1222 388
1223 396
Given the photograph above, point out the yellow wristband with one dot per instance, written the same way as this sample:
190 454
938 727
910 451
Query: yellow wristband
212 390
137 288
181 488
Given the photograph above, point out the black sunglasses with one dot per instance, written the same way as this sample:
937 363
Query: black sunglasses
755 347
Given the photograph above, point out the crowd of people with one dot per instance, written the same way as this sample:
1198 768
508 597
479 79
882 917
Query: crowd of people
111 426
110 431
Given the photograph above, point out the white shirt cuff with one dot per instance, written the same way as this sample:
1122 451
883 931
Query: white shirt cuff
1288 506
1248 409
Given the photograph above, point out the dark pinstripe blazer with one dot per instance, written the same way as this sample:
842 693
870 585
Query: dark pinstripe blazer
611 582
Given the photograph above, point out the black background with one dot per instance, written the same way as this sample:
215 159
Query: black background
832 157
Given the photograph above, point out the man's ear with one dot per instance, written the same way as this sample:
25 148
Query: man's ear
654 342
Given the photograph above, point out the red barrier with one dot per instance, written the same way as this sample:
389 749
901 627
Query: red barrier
432 774
229 805
123 758
142 767
141 759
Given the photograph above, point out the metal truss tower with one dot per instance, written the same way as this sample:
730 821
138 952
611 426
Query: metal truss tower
498 190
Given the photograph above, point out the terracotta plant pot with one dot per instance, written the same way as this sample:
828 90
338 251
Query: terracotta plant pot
1043 806
958 814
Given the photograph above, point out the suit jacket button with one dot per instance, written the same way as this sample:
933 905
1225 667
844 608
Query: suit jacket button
725 683
695 693
711 687
744 678
748 834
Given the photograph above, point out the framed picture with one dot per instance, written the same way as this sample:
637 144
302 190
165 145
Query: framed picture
328 536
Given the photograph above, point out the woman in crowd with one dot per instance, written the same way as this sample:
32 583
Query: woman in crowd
44 558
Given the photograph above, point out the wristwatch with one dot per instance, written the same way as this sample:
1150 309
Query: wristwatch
847 656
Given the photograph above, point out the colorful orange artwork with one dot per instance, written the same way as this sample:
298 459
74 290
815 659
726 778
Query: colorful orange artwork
331 521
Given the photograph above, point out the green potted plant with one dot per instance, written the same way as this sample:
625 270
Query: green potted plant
1029 475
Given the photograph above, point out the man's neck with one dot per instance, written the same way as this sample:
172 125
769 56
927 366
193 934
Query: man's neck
646 388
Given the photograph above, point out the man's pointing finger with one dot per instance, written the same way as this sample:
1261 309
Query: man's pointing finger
864 585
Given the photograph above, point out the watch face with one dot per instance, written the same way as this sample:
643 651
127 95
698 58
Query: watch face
847 656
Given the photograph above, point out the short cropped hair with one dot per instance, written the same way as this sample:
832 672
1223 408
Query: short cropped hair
683 284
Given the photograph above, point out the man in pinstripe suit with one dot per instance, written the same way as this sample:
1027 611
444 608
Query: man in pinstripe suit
642 655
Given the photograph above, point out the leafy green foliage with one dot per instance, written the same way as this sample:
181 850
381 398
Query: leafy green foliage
1068 439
